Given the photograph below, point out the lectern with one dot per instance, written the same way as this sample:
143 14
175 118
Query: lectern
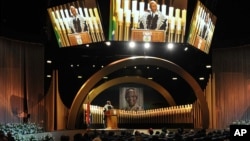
148 35
79 38
200 43
111 116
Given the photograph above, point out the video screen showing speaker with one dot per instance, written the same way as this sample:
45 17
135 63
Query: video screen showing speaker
148 20
201 28
76 23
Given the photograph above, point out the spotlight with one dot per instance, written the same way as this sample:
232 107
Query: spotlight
208 66
174 78
170 46
186 48
79 76
201 78
131 44
49 61
108 43
146 45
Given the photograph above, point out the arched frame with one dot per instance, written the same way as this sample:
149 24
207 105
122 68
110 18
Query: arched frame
87 87
128 79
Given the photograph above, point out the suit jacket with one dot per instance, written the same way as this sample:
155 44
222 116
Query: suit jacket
156 21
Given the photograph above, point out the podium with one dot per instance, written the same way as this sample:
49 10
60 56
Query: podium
200 43
79 38
148 35
111 117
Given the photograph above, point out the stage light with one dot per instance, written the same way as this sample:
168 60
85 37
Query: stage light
170 46
108 43
174 78
208 66
79 76
131 44
201 78
49 61
146 45
186 48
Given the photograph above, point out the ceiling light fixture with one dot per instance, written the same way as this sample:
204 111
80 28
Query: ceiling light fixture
170 46
131 44
146 45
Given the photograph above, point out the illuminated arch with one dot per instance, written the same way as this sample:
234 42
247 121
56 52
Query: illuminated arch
132 61
134 79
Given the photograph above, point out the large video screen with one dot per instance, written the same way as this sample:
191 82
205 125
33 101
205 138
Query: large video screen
148 20
76 23
201 28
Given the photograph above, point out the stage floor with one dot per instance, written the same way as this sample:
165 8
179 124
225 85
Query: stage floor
119 130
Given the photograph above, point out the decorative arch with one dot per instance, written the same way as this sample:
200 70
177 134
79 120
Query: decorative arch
134 79
132 61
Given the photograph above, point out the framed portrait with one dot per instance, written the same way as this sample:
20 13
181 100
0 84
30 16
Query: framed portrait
131 98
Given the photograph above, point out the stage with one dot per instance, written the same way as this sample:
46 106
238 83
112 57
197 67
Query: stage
118 131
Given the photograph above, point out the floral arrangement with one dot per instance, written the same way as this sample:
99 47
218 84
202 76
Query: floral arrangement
25 131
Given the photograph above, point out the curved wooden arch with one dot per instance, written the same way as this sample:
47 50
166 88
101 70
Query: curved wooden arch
134 79
132 61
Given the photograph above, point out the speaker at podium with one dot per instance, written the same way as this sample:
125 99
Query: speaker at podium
111 117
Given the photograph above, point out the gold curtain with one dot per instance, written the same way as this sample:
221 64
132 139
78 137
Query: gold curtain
21 81
231 71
